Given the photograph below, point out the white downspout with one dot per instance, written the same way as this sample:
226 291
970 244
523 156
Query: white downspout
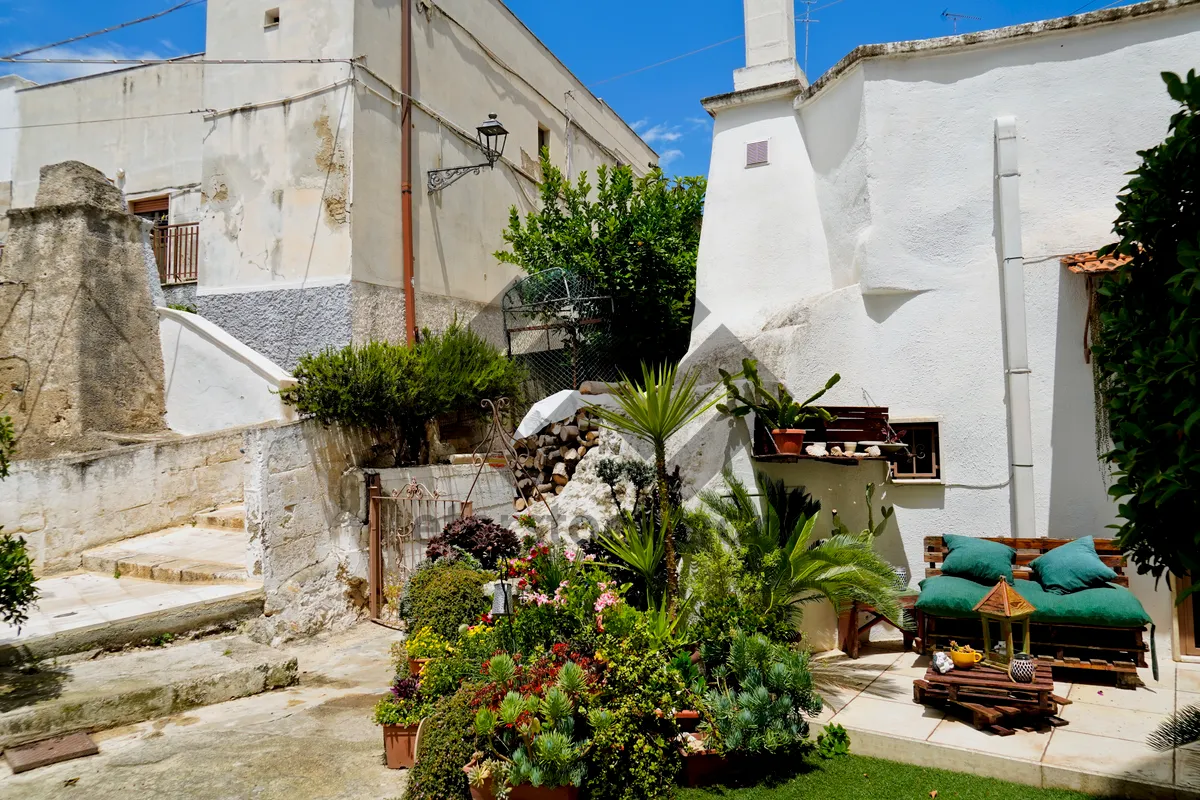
1016 347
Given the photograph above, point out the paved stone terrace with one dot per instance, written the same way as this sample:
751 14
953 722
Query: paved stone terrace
1102 751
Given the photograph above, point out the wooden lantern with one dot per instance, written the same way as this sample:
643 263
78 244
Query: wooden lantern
1005 606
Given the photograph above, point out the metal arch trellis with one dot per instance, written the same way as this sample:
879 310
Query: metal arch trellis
558 323
497 434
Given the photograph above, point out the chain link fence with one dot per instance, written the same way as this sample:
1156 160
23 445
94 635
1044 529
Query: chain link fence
558 324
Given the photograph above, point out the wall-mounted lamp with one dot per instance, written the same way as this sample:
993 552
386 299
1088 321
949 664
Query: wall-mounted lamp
491 136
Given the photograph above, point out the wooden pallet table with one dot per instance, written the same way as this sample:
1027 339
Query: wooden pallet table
994 700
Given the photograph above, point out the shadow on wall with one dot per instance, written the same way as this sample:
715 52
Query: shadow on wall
1078 478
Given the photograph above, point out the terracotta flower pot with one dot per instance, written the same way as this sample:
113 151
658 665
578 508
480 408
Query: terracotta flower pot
688 720
788 441
415 665
485 792
400 745
703 768
529 792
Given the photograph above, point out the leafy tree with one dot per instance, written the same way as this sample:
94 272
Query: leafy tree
1147 351
636 238
17 589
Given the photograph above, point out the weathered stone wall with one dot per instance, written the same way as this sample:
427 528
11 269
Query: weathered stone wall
76 318
63 506
307 529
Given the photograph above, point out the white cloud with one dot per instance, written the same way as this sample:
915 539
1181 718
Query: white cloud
641 123
699 122
661 133
49 73
665 158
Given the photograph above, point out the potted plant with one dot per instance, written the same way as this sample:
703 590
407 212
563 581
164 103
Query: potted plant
422 646
400 713
702 765
780 412
537 741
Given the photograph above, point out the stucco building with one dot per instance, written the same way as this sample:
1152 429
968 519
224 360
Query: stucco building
903 220
274 160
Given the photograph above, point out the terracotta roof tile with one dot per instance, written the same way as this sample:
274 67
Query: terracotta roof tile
1004 601
1090 262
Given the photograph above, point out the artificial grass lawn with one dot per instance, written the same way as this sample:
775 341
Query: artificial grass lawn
857 777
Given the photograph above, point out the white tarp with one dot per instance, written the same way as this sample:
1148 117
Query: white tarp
556 408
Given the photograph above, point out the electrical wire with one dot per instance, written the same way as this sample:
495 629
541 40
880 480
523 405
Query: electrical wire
103 31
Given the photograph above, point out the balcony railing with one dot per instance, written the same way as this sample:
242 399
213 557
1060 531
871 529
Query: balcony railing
177 251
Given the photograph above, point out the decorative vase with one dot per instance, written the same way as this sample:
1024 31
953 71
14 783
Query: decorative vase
1023 668
415 665
788 441
400 746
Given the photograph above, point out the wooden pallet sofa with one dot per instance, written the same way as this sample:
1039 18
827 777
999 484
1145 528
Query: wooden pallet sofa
1064 630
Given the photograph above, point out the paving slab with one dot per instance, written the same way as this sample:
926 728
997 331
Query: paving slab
56 699
50 751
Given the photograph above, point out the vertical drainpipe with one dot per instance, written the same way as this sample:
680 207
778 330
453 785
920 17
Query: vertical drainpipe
1016 346
406 208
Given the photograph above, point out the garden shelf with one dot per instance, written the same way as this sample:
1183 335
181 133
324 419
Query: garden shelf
841 460
853 424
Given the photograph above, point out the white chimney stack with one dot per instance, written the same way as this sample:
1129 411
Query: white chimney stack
770 45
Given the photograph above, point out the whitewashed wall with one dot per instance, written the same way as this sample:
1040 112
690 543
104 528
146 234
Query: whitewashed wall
213 381
902 156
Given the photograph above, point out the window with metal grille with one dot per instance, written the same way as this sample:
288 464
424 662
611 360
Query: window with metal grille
756 153
922 460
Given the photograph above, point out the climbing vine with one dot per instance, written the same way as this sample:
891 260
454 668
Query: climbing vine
1147 352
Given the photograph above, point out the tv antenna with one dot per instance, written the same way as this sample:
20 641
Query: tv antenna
808 20
954 18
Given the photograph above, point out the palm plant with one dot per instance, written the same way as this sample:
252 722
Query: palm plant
639 545
789 567
1181 728
654 410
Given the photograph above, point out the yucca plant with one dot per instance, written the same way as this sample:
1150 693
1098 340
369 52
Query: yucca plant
654 410
788 565
638 545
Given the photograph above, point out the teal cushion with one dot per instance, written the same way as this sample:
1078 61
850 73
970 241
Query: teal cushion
1072 567
1110 606
978 559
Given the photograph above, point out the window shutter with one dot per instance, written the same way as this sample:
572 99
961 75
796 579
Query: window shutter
756 153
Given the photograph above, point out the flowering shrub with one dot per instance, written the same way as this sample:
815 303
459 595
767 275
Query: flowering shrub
443 676
444 596
404 705
427 644
480 537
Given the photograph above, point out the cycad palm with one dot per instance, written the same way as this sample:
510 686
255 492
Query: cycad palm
654 411
779 548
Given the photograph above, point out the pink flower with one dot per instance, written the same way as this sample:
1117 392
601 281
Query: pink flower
570 554
589 557
605 600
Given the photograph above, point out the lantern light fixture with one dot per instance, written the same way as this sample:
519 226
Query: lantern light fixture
491 136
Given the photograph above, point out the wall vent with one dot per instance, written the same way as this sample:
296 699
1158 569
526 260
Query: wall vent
756 154
271 19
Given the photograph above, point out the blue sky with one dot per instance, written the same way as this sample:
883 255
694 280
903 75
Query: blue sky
598 41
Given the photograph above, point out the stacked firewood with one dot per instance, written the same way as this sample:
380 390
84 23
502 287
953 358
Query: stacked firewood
547 460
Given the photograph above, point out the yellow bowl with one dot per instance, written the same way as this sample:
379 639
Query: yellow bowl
965 659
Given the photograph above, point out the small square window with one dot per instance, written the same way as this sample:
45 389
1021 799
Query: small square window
271 18
756 154
543 140
922 461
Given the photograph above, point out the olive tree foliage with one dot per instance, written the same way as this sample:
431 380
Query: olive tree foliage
1147 350
635 238
17 589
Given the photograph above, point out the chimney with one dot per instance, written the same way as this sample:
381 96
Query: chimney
770 45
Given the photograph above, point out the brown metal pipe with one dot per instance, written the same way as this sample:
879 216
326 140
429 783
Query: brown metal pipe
406 208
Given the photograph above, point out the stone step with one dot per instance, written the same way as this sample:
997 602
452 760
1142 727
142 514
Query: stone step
232 517
133 687
175 555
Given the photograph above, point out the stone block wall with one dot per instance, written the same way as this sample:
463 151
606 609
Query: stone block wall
63 506
308 538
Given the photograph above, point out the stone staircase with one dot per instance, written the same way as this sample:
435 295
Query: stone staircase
151 588
213 550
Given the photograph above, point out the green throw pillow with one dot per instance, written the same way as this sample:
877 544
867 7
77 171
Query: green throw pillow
978 559
1072 567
